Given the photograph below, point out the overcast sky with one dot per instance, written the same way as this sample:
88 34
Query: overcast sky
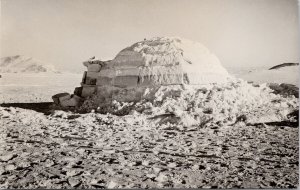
67 32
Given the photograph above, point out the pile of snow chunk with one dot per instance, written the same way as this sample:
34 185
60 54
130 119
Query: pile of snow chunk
211 104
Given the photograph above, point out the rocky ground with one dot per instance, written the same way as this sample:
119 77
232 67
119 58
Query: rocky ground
66 150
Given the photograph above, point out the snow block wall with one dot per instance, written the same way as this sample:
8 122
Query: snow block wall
152 63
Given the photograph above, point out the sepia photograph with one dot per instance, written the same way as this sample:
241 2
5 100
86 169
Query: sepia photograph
144 94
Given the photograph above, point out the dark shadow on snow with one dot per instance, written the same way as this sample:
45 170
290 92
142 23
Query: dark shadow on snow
277 123
43 107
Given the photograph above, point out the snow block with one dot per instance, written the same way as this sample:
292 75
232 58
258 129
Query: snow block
84 77
91 81
56 97
92 61
108 72
91 74
73 102
63 98
88 91
169 79
128 58
103 81
78 91
94 68
126 81
91 78
127 71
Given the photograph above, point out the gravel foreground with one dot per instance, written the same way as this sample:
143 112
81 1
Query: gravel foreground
68 150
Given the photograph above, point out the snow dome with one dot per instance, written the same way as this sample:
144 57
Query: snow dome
152 63
163 61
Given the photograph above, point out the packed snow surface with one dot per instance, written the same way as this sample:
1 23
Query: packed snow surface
69 150
287 74
37 87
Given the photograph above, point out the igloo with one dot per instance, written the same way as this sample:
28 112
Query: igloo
151 64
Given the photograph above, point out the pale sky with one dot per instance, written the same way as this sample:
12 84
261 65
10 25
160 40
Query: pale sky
64 33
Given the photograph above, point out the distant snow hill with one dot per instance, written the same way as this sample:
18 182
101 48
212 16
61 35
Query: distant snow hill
284 73
23 64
